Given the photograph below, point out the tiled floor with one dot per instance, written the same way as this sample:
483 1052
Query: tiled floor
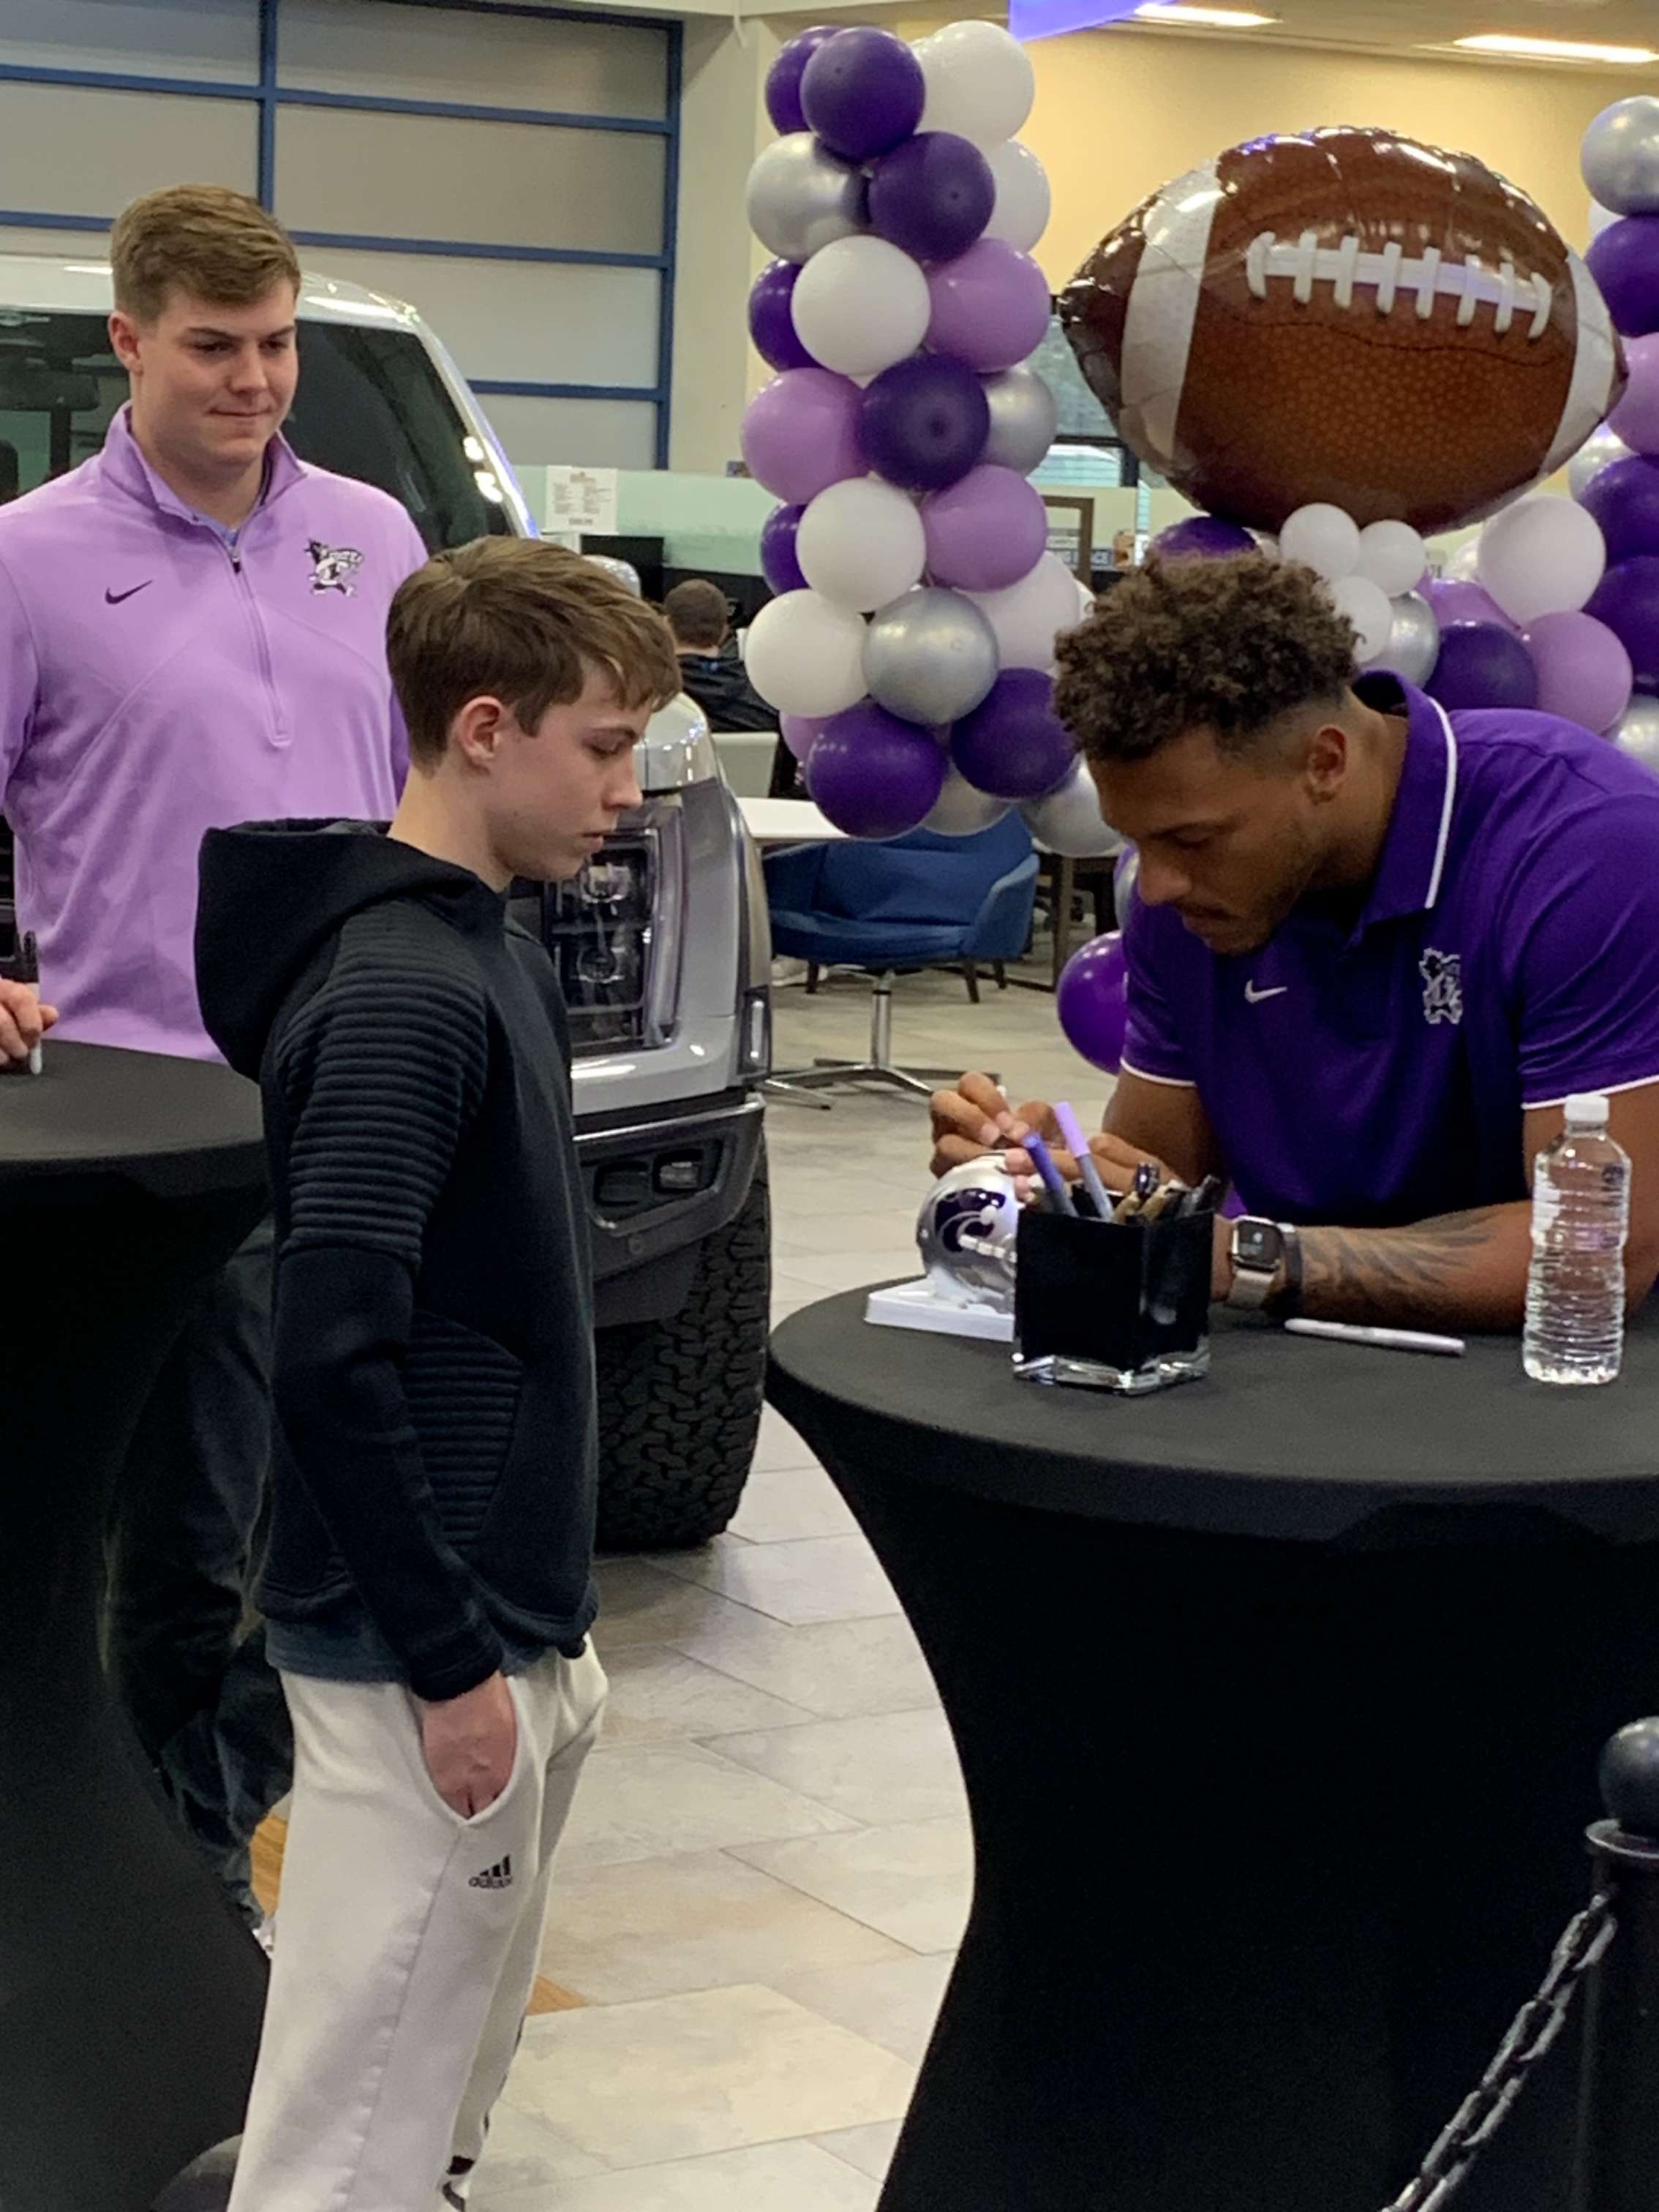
768 1866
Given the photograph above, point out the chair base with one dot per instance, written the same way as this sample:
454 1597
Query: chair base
880 1068
793 1093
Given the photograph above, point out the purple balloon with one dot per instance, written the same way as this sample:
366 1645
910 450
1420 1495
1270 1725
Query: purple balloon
1455 600
933 196
862 92
924 422
985 532
1624 500
800 434
1013 745
1481 666
800 732
771 325
1627 600
1093 1002
1583 671
874 776
781 570
1625 262
783 78
1636 418
990 306
1202 537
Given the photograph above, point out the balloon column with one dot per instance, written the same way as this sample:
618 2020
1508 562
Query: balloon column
911 644
1615 478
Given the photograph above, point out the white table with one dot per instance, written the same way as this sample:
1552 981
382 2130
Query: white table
787 822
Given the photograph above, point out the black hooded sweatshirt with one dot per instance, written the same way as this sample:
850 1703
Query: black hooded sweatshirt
433 1361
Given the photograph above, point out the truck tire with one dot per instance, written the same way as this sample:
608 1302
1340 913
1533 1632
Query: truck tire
680 1400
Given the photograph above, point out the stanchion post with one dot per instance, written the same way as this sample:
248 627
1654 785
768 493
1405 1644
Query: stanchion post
1618 2168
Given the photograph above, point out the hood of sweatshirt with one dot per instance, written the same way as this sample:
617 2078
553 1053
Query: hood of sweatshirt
272 892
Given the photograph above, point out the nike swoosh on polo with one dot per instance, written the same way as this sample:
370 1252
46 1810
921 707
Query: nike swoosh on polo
1256 997
114 599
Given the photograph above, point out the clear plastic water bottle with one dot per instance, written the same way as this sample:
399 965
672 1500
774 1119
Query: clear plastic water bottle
1580 1219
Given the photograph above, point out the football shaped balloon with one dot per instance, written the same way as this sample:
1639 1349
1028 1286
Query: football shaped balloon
1347 319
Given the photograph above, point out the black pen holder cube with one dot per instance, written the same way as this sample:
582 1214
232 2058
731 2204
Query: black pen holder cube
1113 1305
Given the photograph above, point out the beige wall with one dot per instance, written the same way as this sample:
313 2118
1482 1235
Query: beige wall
1119 113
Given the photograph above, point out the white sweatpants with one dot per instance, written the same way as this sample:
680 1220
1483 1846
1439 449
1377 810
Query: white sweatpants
406 1945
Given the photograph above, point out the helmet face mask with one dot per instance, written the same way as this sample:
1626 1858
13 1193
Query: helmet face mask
966 1232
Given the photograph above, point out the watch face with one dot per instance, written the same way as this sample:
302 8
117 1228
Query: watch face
1257 1245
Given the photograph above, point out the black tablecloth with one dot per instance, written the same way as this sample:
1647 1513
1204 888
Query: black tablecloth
1287 1438
1279 1699
130 1994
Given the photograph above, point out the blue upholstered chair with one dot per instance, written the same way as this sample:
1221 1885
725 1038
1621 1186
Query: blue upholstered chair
918 902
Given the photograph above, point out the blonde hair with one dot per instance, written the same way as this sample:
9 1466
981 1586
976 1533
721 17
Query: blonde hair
523 622
210 242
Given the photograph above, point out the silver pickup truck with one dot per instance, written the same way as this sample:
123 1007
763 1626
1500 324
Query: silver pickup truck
662 945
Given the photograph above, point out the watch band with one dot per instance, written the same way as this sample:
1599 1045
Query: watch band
1252 1286
1288 1304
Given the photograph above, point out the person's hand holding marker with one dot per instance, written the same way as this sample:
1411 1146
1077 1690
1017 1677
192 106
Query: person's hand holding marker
975 1118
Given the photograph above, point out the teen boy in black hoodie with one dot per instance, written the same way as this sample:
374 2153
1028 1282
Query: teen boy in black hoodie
426 1586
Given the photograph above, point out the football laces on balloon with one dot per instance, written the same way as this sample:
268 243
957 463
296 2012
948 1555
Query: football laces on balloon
1427 278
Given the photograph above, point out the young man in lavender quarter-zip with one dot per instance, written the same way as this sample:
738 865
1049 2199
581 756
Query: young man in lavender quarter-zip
191 634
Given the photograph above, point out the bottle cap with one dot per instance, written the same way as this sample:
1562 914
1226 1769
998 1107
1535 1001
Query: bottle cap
1589 1106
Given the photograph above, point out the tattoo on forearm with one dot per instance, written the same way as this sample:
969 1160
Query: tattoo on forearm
1431 1270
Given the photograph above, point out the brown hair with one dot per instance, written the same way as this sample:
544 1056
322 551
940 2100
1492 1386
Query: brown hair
1227 646
524 622
212 243
697 612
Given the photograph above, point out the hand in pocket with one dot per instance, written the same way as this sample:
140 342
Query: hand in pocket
469 1743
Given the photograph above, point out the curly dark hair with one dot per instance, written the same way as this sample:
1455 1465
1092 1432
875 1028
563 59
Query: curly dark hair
1228 646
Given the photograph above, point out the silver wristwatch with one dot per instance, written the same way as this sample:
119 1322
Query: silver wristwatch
1258 1252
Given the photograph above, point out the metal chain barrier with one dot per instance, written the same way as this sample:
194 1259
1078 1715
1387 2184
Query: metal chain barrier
1536 2026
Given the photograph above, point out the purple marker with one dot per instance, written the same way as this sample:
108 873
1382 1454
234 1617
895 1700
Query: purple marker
1053 1182
1071 1129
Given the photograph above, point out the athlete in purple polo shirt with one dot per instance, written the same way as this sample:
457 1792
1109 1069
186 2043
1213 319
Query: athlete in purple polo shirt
193 632
1373 950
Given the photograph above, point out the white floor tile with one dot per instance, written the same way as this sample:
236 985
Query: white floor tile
785 2176
879 1769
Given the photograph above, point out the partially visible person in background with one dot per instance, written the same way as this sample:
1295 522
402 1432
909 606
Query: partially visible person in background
711 671
1123 550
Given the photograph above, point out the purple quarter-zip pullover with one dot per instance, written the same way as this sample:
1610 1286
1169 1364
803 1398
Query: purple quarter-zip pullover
158 679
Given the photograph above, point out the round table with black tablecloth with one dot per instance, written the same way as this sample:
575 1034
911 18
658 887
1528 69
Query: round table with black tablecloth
130 1995
1279 1699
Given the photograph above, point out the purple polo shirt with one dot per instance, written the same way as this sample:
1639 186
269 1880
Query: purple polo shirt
1508 956
157 682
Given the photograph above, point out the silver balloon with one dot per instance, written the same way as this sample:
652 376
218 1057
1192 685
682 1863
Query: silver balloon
801 198
624 571
1025 416
1068 821
1599 453
1123 884
967 1230
1621 156
963 812
929 656
1637 731
1413 644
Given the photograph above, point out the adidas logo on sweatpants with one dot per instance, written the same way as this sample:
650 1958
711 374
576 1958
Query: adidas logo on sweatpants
500 1877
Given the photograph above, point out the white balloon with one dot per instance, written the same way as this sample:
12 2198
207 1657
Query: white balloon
1370 610
805 656
1021 213
1323 537
1028 615
980 82
1069 821
1541 557
962 811
1393 557
860 304
861 543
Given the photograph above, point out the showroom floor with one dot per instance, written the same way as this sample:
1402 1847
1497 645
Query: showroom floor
767 1867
